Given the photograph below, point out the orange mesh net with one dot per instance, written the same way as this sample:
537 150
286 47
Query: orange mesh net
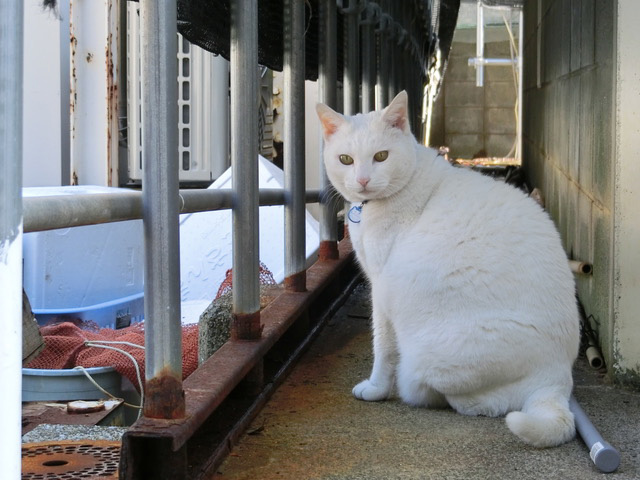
65 347
266 278
66 342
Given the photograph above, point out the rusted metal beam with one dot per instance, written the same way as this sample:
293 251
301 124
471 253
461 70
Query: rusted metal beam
208 387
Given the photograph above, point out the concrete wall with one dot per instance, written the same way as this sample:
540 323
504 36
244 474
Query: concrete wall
572 148
476 121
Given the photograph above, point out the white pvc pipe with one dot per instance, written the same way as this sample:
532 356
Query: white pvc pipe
480 46
584 268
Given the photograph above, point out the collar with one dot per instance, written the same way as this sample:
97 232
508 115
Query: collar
355 212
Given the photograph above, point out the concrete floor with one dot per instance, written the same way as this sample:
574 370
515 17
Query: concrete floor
314 429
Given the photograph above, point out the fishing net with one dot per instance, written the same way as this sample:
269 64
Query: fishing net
71 342
79 343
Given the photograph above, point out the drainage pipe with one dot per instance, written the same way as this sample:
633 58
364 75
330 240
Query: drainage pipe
11 50
602 454
584 268
163 334
244 168
294 159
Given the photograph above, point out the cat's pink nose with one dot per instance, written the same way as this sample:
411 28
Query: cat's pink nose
363 181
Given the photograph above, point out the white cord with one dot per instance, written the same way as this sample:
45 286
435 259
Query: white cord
105 344
516 82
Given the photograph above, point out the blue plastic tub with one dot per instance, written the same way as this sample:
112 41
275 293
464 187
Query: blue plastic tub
118 313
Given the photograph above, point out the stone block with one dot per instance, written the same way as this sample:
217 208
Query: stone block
463 120
464 145
500 94
499 145
499 120
463 94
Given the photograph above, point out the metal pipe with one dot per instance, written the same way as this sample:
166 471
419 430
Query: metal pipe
294 159
501 62
11 51
368 60
480 45
520 83
351 75
327 79
382 77
65 92
602 454
164 397
63 211
244 167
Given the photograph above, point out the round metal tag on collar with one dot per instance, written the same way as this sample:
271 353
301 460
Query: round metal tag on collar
355 213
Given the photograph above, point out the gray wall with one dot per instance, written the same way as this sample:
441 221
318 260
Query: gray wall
476 121
569 136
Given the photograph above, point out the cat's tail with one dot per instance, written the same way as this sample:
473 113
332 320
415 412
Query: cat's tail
545 420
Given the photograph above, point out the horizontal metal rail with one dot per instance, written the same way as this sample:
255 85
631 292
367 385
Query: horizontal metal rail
63 211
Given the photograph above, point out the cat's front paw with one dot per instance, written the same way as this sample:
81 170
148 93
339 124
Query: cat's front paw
369 392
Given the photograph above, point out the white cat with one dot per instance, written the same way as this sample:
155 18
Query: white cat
473 300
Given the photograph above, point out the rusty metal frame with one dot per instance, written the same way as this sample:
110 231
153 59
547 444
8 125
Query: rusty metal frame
169 449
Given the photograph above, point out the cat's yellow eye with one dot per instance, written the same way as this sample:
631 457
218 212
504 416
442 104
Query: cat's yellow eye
346 159
381 156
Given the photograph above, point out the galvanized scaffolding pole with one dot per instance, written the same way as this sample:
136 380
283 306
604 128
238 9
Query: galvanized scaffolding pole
244 169
368 59
164 397
327 79
294 161
11 48
351 76
384 39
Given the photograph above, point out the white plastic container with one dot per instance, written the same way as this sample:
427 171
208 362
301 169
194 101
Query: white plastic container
92 272
206 240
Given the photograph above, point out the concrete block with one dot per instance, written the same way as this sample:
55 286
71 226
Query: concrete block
576 34
463 94
499 145
500 94
500 120
464 145
464 120
497 50
463 50
587 36
600 303
459 70
498 73
573 117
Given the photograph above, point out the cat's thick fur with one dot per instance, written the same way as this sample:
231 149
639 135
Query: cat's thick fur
473 300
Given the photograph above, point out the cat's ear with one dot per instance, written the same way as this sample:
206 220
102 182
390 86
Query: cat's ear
396 115
330 119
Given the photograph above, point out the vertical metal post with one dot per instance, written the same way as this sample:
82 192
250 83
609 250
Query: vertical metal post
382 82
294 162
480 45
351 76
244 169
327 79
520 82
368 62
164 397
65 91
11 48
